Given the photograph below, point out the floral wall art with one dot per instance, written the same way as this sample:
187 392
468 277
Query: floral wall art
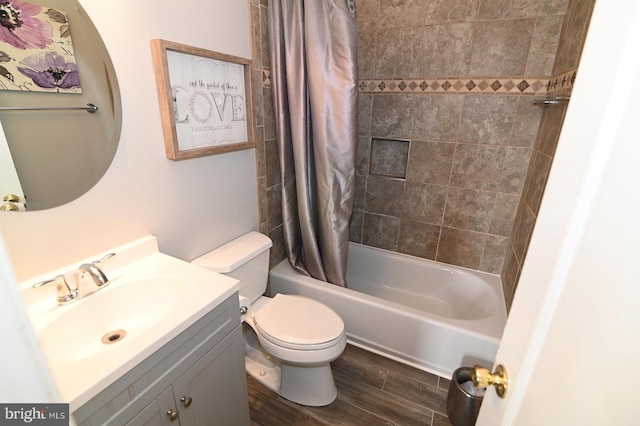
36 52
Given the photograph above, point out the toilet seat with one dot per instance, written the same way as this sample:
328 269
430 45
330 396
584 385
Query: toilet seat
298 322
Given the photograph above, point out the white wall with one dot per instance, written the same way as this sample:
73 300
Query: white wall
25 375
192 205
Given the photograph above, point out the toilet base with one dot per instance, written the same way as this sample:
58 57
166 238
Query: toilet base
310 385
263 368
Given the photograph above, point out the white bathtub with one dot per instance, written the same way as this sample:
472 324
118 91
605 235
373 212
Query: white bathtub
426 314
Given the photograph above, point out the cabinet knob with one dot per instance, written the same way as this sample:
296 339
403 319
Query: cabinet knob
186 401
173 414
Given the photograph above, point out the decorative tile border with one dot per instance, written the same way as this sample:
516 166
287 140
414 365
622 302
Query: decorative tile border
457 86
558 85
266 77
562 84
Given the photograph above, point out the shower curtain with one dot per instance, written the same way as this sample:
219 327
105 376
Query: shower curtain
314 76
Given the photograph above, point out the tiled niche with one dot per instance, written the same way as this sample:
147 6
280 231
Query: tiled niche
389 158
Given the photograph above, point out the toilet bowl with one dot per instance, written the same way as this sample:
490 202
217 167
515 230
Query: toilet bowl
289 340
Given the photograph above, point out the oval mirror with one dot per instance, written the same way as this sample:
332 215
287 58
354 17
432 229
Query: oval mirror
53 64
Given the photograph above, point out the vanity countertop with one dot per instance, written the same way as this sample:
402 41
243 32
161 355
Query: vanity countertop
153 297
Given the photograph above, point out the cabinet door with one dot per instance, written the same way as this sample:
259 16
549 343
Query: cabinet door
157 412
214 390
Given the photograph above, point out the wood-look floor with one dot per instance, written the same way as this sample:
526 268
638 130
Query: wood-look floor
372 390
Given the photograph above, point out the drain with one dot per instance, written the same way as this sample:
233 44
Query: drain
113 336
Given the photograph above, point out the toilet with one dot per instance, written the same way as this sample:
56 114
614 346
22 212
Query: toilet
289 340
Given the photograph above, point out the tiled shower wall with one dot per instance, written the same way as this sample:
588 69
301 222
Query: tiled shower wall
456 79
570 47
447 129
269 188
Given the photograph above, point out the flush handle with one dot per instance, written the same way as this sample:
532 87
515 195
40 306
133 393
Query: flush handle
482 377
186 401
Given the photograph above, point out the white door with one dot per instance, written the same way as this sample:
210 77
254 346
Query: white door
9 180
572 342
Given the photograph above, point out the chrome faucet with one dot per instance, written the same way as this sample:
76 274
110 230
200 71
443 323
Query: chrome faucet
91 271
65 293
94 273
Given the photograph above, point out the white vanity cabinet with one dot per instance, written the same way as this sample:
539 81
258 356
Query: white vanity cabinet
197 379
199 397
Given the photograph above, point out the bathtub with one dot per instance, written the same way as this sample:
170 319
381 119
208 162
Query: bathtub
429 315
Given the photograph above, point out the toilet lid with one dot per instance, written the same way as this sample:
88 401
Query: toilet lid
298 322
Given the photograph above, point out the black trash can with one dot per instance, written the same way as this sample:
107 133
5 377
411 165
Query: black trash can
463 399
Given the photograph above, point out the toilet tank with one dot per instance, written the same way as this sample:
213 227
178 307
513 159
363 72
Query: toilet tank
245 259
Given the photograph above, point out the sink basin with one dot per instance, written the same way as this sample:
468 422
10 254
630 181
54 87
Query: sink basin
107 320
151 298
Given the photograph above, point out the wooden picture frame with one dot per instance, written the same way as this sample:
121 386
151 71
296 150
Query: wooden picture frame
205 100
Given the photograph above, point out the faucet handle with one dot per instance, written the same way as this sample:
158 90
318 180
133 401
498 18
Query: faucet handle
66 294
103 258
